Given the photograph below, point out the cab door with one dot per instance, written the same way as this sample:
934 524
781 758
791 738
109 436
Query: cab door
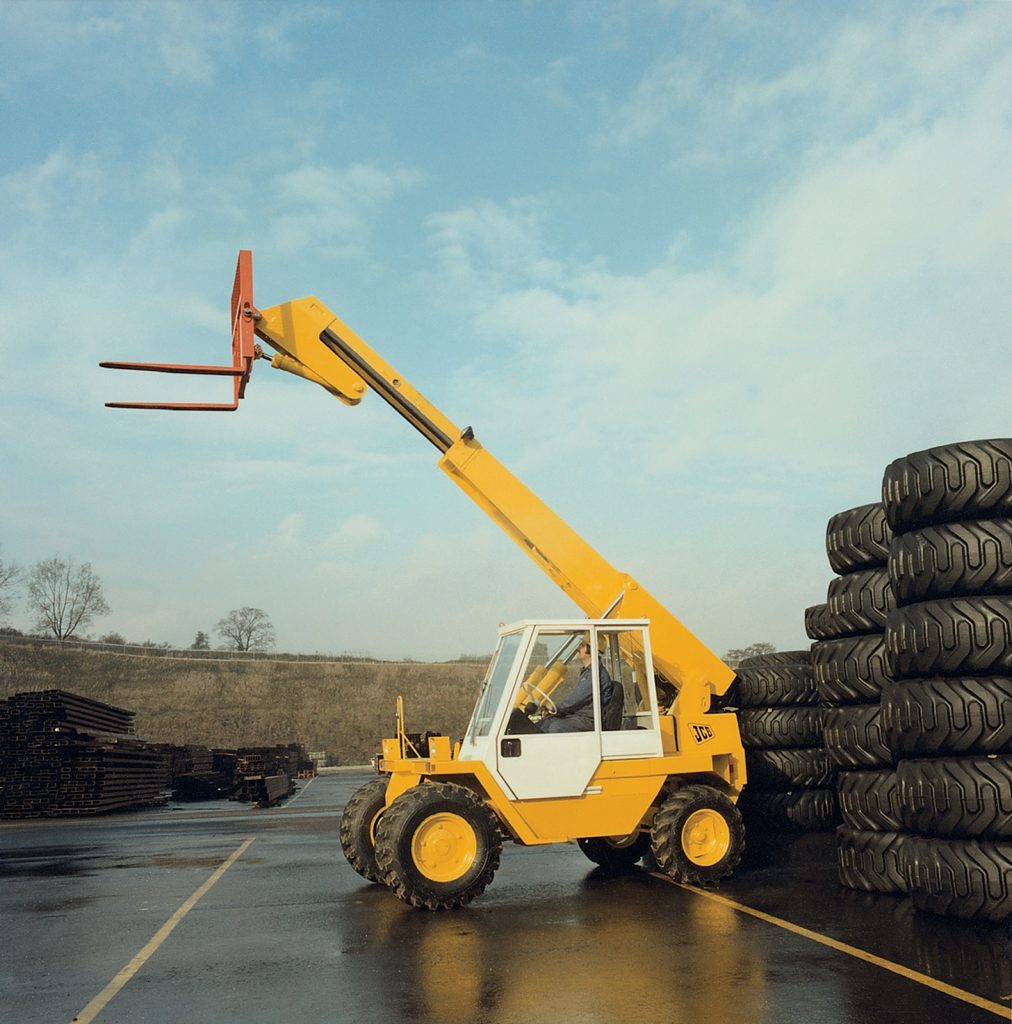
557 764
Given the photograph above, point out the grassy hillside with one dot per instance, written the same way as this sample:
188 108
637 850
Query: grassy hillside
344 708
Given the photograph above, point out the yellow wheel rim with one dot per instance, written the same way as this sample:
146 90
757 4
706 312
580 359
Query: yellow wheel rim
706 837
444 846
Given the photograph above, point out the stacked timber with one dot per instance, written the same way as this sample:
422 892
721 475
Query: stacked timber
197 773
64 754
265 775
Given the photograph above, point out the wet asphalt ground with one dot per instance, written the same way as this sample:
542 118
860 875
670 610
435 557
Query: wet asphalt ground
287 932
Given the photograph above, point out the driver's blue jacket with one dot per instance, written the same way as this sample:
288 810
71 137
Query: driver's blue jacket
575 713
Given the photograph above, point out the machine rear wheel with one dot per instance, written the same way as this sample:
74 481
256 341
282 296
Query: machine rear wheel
358 828
616 853
438 846
698 836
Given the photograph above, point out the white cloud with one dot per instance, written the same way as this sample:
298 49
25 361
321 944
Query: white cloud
492 245
317 203
887 70
288 533
355 532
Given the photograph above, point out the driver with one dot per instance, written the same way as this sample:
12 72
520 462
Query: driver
575 713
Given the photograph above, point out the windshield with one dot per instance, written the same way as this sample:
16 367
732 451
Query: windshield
495 682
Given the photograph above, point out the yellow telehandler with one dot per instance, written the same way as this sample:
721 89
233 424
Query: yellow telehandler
601 730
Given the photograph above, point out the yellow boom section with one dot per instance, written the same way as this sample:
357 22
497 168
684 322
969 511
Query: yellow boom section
313 343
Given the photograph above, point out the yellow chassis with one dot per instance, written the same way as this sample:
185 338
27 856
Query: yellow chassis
618 798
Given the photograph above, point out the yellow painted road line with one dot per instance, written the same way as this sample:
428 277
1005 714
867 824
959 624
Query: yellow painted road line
300 792
904 972
95 1007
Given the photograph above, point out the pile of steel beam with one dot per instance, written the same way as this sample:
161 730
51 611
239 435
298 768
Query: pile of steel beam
61 754
198 773
265 775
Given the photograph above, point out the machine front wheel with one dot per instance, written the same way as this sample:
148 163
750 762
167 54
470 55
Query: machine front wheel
438 846
697 836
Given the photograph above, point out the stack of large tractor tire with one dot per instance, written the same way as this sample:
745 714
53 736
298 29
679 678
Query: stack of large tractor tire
850 666
948 714
790 777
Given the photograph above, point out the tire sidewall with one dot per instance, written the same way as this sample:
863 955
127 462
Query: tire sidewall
485 838
668 848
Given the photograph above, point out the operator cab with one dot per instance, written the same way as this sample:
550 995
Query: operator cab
536 669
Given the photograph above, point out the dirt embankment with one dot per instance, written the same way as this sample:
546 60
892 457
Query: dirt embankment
344 708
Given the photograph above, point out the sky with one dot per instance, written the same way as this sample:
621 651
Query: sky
695 271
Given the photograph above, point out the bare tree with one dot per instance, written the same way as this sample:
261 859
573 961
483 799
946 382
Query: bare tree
247 629
737 655
200 642
10 577
65 597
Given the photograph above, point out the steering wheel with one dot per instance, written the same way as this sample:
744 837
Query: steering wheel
545 702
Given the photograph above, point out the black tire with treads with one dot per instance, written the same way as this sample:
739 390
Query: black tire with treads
871 801
954 636
776 658
858 538
960 715
967 480
718 851
854 737
781 727
971 558
871 861
851 670
358 827
818 623
963 878
800 810
860 602
968 797
766 685
397 845
793 768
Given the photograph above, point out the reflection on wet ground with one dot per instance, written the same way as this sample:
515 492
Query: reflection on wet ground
291 933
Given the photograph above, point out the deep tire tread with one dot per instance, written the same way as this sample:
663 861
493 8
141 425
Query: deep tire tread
871 801
960 877
851 670
354 829
395 869
871 861
779 727
967 797
854 737
776 658
952 560
666 840
858 538
860 602
966 480
788 769
798 810
819 625
949 716
766 685
955 636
